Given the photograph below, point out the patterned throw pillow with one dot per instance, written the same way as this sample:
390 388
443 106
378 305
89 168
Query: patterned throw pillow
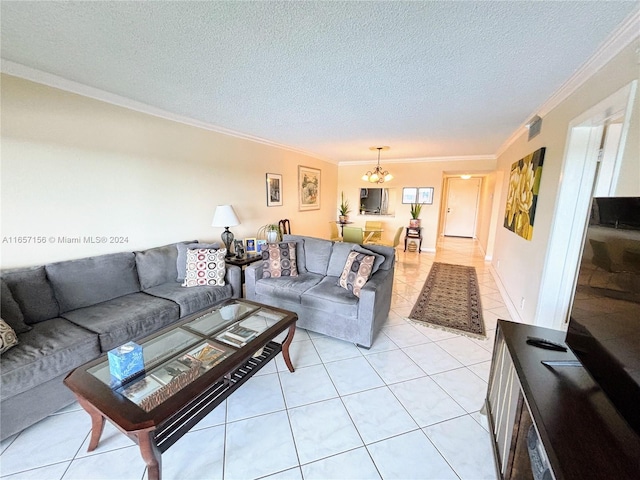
205 266
356 272
279 260
8 337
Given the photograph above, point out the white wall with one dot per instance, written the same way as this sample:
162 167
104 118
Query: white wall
74 166
519 262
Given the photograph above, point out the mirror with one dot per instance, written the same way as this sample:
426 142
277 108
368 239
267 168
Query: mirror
374 201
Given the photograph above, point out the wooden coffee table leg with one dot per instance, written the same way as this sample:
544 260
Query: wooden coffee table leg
97 423
150 453
285 347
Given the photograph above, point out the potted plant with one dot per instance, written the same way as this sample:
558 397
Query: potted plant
344 209
415 213
270 232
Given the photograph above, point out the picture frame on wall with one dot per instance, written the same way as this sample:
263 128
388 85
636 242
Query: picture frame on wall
409 195
250 245
425 195
274 190
309 188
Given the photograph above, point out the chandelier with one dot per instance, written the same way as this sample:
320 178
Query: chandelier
378 175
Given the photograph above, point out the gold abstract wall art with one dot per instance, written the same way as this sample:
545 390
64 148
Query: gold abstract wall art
524 183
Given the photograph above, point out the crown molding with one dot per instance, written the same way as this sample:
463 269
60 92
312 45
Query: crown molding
622 37
461 158
27 73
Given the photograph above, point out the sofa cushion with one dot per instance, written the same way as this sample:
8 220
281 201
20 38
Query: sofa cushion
389 254
288 288
10 310
191 299
157 265
341 251
88 281
279 260
357 271
33 293
181 260
125 318
331 298
50 349
8 337
205 266
317 253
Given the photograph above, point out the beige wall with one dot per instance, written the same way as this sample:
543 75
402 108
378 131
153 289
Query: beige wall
422 174
518 262
74 166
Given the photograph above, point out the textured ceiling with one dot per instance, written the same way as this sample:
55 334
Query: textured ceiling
331 78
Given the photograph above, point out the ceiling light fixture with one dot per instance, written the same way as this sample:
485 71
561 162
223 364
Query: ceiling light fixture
378 175
465 177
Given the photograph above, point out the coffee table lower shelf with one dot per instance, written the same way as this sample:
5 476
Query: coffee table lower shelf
169 432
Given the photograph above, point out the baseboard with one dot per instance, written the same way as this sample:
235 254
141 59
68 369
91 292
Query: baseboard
513 311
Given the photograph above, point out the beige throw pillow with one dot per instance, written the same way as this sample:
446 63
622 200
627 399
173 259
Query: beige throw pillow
279 260
356 272
8 337
205 266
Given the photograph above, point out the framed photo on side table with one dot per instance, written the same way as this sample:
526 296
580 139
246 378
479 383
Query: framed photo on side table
308 188
250 245
261 244
274 190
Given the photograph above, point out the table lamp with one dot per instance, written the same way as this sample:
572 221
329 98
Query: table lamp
226 217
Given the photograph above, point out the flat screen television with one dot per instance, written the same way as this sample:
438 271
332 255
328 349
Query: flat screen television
604 325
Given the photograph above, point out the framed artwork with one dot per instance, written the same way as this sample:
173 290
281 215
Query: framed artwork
425 195
522 199
308 188
261 244
274 190
409 194
250 245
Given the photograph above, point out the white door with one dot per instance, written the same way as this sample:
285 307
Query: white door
462 207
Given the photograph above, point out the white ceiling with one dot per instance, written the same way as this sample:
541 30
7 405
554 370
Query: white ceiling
428 78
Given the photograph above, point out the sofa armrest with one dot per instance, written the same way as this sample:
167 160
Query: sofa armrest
252 273
234 278
375 302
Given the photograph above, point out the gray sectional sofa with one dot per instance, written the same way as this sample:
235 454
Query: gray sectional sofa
321 304
72 312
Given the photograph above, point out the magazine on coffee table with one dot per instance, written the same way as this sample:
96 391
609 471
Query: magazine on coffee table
237 335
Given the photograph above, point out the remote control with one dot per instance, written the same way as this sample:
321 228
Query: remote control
546 344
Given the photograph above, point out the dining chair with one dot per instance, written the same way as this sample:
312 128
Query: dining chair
335 234
374 236
396 239
352 235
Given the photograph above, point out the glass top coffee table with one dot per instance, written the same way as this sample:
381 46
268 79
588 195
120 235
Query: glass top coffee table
190 368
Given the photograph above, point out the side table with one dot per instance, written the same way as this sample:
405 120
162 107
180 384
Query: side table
416 233
242 262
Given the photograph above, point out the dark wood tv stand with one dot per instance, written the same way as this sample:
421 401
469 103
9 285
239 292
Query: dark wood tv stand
582 434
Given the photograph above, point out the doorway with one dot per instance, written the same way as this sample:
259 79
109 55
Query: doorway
585 148
461 209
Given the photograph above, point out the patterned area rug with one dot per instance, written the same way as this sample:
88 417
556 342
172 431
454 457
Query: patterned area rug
450 300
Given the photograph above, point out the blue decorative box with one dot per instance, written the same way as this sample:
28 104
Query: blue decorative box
125 361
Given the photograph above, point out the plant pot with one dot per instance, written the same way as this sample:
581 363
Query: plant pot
343 218
272 236
414 223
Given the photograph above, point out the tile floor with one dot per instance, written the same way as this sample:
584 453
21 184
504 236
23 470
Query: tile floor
408 408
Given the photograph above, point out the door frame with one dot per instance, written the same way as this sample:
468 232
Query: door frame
577 181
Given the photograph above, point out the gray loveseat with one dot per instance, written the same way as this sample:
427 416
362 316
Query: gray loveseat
321 304
77 310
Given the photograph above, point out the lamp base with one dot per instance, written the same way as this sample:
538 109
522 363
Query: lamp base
227 239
